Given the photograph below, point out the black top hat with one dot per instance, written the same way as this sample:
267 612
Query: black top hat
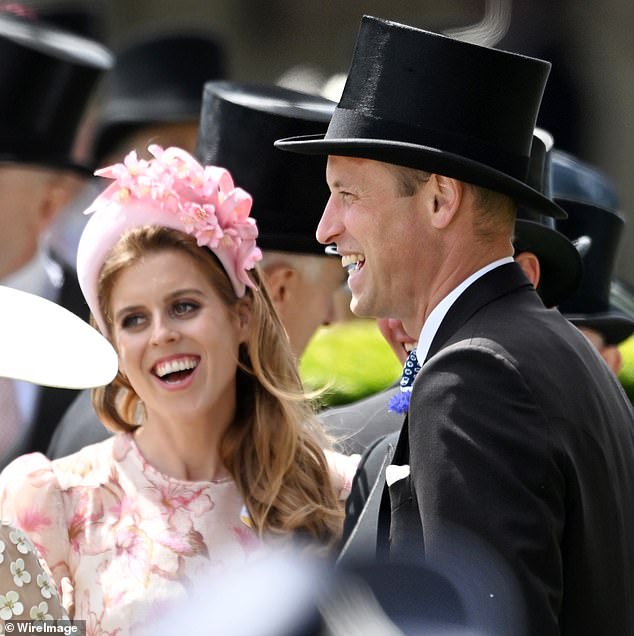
47 76
591 203
157 78
426 101
86 19
238 125
560 262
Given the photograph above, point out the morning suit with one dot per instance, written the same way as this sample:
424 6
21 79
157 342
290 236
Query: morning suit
519 435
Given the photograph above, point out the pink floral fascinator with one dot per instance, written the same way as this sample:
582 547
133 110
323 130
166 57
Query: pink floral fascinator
171 190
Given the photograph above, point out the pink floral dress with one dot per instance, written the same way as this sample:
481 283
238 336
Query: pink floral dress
120 538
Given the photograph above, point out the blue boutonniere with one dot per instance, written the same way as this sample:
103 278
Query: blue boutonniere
399 403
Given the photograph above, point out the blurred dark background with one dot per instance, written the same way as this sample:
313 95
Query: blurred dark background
589 101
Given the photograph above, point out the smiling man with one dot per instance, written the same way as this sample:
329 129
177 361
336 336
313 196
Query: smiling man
518 439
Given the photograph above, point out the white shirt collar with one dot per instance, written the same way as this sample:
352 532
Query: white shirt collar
435 318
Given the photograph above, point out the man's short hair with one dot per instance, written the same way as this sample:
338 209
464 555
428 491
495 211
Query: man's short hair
495 210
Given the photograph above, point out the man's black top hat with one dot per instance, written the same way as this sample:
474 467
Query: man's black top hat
426 101
238 125
592 206
560 262
47 76
157 78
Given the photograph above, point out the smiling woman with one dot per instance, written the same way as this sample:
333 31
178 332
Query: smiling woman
218 455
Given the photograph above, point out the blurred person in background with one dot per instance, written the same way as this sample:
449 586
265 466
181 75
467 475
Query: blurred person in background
47 77
593 210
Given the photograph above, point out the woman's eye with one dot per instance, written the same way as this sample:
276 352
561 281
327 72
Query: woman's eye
183 308
131 321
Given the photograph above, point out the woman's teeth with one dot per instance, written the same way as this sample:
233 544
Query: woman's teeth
172 366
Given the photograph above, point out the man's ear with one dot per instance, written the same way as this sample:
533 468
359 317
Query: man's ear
447 195
614 359
60 189
530 266
279 279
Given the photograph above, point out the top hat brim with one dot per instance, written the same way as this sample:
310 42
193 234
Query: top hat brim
428 159
560 262
613 325
46 161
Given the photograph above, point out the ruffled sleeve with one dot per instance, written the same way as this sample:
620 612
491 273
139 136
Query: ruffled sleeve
27 591
342 470
31 499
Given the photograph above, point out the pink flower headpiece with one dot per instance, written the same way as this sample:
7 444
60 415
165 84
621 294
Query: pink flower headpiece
172 190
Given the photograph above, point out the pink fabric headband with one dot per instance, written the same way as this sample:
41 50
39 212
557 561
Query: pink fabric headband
171 190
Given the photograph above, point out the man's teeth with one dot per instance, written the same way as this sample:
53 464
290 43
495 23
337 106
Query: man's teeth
352 261
172 366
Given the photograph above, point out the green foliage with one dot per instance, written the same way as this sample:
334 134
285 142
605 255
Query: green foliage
627 372
348 360
351 360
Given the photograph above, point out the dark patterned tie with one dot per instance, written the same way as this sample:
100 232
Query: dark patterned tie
399 403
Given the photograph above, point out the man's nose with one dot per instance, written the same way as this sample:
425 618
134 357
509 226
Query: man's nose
330 225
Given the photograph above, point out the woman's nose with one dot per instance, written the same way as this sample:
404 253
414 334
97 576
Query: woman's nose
163 331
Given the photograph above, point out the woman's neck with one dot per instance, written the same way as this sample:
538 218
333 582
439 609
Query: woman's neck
185 450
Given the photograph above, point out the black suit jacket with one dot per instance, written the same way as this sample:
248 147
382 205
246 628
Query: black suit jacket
521 440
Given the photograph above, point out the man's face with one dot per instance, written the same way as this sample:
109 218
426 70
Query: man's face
22 190
310 299
382 237
610 353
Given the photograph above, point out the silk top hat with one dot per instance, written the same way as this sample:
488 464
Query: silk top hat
592 207
47 76
559 259
427 101
157 78
238 125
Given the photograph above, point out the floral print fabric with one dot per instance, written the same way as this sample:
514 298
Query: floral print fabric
120 538
27 591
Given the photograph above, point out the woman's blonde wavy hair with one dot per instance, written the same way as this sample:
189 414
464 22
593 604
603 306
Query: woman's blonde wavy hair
274 447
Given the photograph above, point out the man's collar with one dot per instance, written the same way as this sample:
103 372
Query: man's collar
435 318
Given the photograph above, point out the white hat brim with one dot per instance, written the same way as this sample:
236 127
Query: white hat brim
43 343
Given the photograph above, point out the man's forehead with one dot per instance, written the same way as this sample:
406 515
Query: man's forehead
342 168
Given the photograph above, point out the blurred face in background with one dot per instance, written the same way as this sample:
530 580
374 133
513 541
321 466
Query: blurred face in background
610 353
30 197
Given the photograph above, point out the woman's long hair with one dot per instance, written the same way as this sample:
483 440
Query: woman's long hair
273 448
